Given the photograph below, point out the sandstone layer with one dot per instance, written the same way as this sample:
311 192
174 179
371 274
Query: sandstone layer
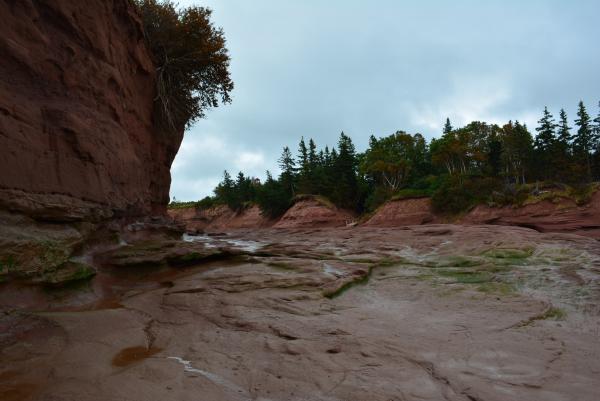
560 215
220 218
563 215
313 212
437 312
80 156
403 212
76 105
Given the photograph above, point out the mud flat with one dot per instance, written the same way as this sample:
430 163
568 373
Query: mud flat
437 312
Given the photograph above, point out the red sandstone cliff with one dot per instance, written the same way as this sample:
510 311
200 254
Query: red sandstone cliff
76 97
77 142
563 215
402 213
220 218
310 212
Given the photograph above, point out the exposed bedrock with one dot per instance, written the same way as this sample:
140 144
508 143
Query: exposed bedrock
76 113
78 148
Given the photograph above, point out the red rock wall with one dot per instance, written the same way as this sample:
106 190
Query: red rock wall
402 213
220 218
76 135
545 216
312 213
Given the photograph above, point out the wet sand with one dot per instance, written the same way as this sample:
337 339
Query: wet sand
422 313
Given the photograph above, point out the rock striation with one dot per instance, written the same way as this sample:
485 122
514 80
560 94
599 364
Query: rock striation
220 218
79 151
76 104
563 215
313 212
403 212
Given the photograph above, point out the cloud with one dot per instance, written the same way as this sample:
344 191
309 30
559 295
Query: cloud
314 68
200 163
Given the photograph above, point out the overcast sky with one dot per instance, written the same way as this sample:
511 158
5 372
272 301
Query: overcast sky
316 68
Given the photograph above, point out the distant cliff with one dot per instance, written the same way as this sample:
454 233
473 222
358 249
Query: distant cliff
76 99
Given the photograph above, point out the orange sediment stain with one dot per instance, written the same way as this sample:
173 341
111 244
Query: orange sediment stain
130 355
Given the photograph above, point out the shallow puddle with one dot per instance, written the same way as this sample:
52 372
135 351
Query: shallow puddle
130 355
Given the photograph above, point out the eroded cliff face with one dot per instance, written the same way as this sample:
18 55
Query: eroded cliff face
76 99
79 153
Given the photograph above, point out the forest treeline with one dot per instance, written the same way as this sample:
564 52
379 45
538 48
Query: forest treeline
479 162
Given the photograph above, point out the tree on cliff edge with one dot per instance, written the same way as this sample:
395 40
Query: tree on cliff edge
191 60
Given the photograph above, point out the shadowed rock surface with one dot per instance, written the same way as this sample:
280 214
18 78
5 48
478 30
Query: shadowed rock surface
437 312
563 215
81 157
76 114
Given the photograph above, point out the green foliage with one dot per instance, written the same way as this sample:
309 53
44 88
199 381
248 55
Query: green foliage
545 145
409 193
584 141
273 197
393 160
205 203
236 194
459 194
477 163
191 60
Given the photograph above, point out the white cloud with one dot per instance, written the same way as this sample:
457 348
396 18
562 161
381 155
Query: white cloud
471 99
199 165
250 161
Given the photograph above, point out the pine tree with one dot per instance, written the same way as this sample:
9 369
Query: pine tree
313 158
288 168
312 178
562 154
596 128
564 131
583 140
344 173
597 119
226 191
302 157
596 145
544 145
545 137
447 127
272 197
303 168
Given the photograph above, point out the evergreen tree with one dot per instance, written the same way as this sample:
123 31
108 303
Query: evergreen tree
447 127
596 140
288 168
312 175
226 192
564 131
544 144
313 158
272 198
304 183
344 173
562 151
583 141
545 138
597 122
302 157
